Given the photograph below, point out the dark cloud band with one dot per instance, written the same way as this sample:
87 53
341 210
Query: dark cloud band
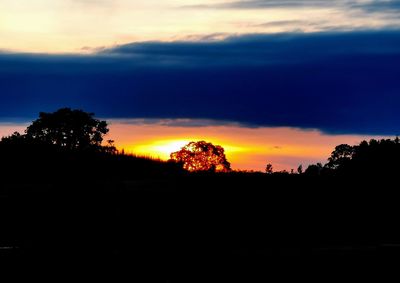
335 82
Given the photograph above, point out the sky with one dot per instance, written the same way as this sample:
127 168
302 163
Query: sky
278 82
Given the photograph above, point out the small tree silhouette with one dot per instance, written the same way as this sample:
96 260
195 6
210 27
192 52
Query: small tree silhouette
202 156
300 169
269 169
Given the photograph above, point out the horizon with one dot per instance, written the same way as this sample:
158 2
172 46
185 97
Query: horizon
286 148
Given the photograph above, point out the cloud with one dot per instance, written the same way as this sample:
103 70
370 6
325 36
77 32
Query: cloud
297 26
284 23
368 6
335 82
183 123
260 49
379 6
267 4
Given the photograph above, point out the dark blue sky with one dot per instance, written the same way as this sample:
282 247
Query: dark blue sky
338 82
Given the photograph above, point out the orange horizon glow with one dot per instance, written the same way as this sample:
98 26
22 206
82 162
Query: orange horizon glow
245 148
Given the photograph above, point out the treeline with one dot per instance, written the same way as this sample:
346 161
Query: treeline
69 144
376 157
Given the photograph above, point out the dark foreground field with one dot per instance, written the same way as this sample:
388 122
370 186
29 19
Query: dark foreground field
200 222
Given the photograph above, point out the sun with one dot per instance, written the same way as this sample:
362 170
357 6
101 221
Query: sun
163 148
160 149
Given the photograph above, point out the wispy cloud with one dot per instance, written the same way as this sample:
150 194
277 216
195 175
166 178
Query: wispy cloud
284 23
369 6
179 122
67 25
267 4
391 6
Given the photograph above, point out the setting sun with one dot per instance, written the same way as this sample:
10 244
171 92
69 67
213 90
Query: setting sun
160 149
163 148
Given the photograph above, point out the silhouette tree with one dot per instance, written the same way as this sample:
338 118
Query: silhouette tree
269 169
300 169
202 156
340 156
70 129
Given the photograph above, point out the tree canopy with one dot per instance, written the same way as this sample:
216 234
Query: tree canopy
202 156
67 128
340 156
373 157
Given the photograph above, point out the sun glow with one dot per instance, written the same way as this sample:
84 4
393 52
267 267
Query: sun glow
245 148
160 149
163 148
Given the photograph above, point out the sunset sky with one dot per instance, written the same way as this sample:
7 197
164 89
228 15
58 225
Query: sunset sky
272 81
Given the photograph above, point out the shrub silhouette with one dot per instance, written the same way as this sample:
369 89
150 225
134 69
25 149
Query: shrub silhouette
269 169
202 156
300 169
314 169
